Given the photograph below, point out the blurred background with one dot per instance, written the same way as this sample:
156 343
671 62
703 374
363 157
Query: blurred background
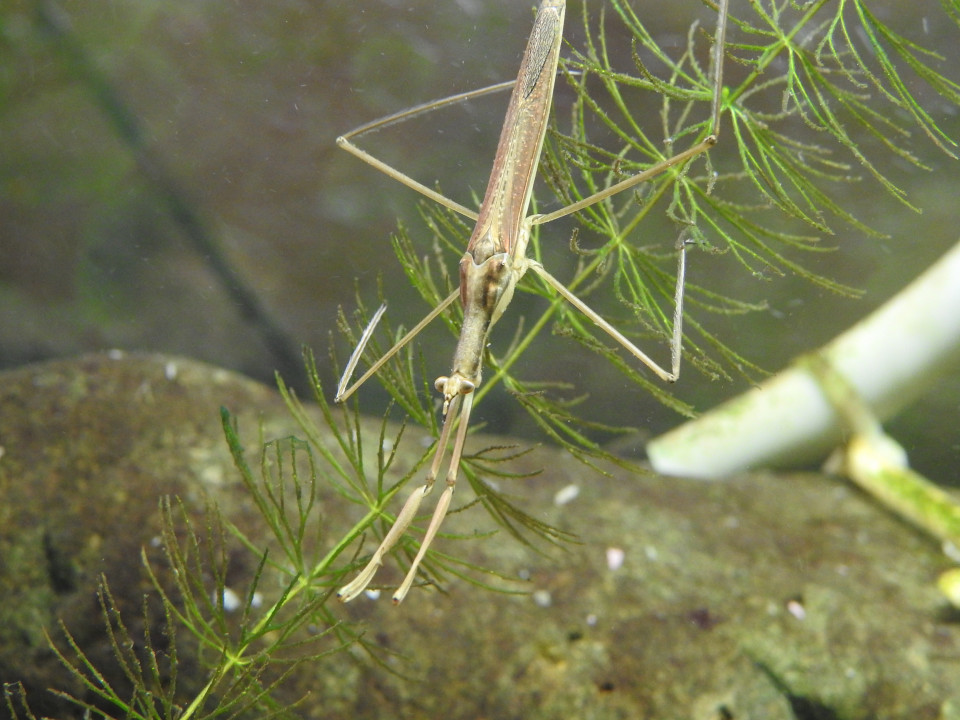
169 181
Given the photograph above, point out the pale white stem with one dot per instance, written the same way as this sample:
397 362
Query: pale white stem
889 359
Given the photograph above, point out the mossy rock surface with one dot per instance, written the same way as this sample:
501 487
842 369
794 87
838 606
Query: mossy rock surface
768 596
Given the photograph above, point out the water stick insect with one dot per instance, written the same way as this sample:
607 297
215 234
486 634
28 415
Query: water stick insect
495 259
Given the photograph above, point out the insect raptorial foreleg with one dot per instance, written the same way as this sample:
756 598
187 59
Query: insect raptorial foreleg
443 504
409 512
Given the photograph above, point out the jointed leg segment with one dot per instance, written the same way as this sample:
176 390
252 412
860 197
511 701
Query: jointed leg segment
412 505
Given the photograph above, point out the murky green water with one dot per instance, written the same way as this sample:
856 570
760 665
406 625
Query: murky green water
233 110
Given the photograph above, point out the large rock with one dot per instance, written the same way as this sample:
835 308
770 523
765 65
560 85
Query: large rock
768 596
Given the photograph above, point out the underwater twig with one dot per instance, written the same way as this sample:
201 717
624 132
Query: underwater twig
889 358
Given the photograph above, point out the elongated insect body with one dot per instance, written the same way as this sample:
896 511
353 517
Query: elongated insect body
495 260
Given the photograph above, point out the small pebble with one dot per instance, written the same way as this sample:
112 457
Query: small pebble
542 598
797 610
566 495
615 558
231 601
949 584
